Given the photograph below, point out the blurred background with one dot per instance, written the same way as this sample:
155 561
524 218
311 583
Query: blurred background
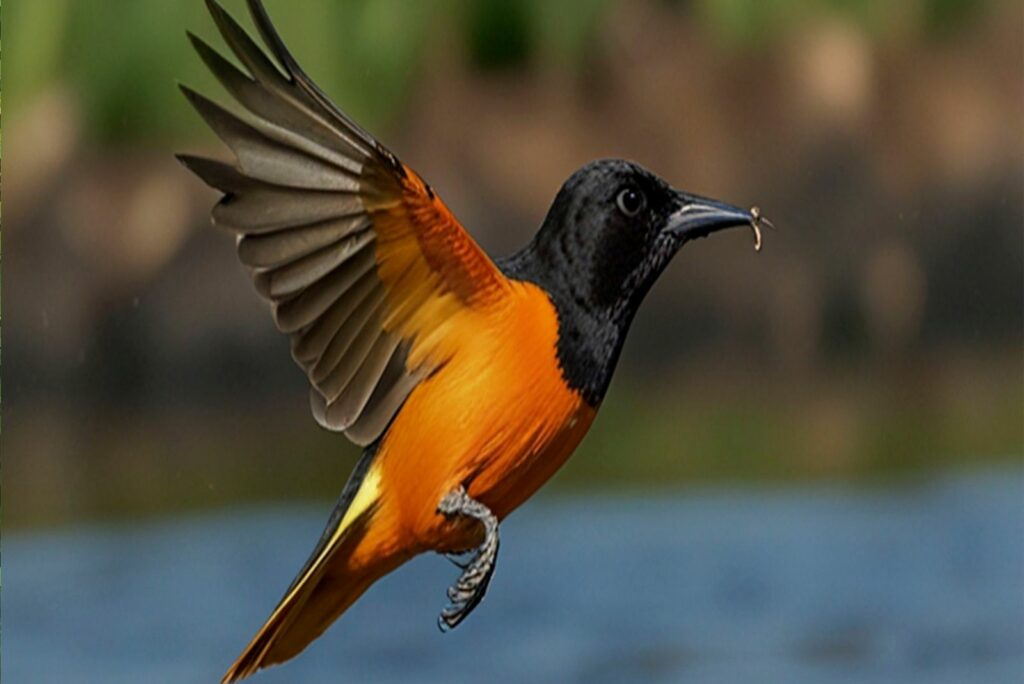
818 449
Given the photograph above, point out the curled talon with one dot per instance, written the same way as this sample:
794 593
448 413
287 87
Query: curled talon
469 589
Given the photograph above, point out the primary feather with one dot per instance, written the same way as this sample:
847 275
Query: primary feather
362 262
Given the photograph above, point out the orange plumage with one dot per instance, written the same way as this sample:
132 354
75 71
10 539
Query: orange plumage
469 382
484 402
473 422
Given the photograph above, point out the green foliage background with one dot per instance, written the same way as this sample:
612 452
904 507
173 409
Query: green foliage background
121 59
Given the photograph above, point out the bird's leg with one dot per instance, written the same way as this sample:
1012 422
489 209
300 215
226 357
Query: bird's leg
469 589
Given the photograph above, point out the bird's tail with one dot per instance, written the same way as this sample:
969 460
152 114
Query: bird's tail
354 551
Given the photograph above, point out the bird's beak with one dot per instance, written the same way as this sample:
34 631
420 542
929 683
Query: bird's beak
698 217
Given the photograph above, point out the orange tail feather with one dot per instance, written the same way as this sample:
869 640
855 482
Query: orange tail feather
316 600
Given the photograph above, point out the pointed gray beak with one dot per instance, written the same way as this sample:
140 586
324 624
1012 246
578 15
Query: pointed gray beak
698 217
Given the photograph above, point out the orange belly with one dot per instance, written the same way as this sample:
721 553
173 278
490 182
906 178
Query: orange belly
497 418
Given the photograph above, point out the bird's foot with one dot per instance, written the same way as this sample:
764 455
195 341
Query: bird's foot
477 568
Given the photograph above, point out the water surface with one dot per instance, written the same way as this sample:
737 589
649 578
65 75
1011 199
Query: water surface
822 584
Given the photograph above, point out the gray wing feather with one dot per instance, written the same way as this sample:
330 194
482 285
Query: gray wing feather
295 314
294 198
309 346
284 246
299 275
266 152
304 82
264 210
348 349
390 393
316 135
368 373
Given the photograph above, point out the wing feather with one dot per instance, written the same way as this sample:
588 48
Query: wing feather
311 344
299 275
266 210
361 260
304 309
270 153
284 246
386 399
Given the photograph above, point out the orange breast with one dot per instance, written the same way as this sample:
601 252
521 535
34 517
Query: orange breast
497 418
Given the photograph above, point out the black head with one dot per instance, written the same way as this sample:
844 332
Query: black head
612 229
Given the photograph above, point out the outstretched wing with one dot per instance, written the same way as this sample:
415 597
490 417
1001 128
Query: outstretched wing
360 259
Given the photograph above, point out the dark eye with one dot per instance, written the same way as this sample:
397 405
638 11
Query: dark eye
630 201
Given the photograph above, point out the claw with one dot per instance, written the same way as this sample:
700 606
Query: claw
456 560
468 591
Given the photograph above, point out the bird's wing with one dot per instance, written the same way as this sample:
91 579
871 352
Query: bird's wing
362 262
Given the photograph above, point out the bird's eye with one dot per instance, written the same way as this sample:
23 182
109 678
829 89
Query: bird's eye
630 201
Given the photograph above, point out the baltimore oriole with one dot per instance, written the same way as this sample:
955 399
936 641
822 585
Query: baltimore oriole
469 381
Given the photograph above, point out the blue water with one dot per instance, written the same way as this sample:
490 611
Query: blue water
911 584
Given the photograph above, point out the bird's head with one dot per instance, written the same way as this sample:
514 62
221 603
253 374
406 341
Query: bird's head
613 228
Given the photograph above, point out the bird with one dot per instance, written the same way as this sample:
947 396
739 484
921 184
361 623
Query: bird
467 380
